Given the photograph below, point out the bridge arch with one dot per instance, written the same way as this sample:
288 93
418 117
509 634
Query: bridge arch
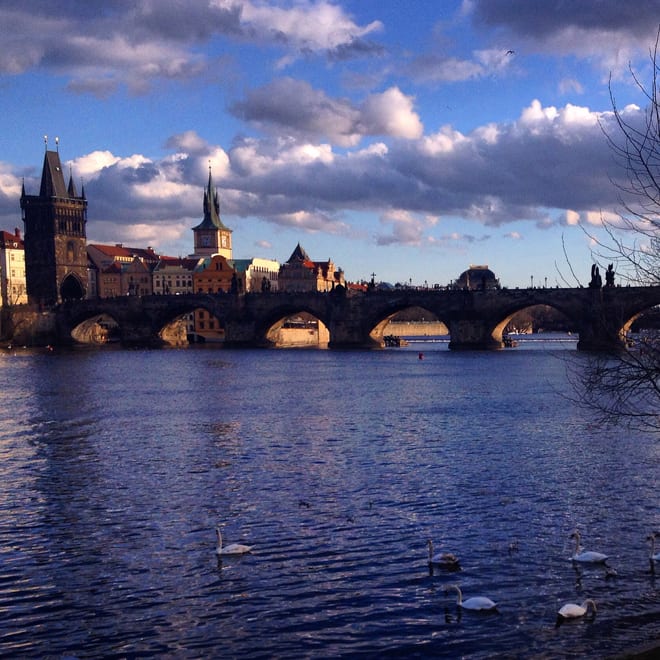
500 328
186 321
288 325
96 329
380 324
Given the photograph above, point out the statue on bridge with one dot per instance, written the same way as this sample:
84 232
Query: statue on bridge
596 280
609 276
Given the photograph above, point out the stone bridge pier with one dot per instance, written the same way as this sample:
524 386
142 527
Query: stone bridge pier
470 334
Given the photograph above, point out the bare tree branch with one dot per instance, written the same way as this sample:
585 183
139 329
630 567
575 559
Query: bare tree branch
626 387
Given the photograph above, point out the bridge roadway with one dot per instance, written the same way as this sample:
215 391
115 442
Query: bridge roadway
475 319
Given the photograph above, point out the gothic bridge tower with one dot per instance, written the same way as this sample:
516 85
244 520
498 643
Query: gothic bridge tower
55 237
211 235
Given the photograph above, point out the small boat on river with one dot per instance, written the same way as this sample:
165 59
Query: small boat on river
393 341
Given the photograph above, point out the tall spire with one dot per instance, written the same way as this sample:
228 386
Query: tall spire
71 188
211 205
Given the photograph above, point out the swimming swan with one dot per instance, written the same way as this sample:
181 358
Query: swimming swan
442 559
475 603
232 548
572 611
586 556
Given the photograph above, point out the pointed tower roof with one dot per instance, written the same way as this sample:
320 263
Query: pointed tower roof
211 208
298 254
71 188
52 178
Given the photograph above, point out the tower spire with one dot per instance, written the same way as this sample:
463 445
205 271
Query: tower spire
71 188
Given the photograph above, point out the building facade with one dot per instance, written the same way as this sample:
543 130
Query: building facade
55 237
12 269
115 270
174 275
217 274
300 273
259 275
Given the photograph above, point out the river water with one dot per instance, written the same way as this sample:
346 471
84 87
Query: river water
116 466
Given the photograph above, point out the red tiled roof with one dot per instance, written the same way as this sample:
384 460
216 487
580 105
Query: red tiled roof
120 251
7 240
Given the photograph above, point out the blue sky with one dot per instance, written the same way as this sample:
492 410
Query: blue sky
408 139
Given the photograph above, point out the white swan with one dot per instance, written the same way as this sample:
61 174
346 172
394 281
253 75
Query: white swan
586 556
475 603
442 559
572 610
232 548
653 556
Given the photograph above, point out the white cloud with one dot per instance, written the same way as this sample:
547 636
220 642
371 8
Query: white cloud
550 162
293 108
570 85
142 42
10 184
608 34
307 25
572 218
406 228
391 113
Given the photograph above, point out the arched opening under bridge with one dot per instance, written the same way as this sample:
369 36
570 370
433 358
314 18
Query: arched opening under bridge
537 322
99 329
203 327
300 329
408 324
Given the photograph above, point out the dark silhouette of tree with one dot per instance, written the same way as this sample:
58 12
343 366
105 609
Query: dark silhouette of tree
626 387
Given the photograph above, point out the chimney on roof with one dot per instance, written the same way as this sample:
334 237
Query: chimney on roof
17 233
121 245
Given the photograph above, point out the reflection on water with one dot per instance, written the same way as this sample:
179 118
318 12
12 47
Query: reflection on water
116 466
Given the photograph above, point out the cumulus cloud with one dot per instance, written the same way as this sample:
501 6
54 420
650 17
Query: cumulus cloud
406 228
608 33
551 166
391 113
135 44
293 107
305 27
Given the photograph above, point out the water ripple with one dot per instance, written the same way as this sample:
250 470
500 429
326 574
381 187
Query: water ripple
337 467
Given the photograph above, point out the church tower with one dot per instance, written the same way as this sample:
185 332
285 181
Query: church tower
211 235
55 237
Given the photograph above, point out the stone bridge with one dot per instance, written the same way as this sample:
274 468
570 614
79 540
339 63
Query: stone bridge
475 319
